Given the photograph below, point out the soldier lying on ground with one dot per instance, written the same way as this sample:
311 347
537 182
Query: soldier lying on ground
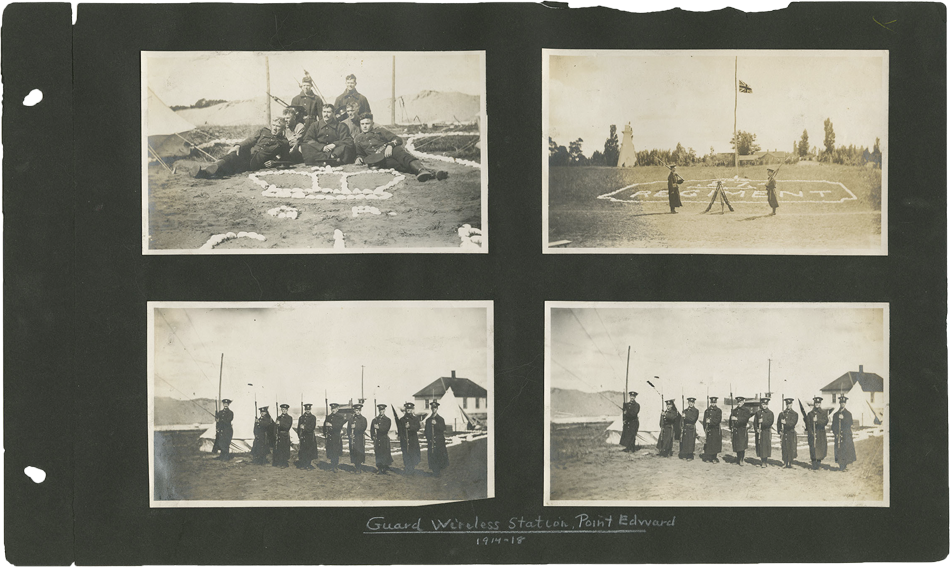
256 152
378 147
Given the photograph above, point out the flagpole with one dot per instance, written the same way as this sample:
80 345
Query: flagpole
735 115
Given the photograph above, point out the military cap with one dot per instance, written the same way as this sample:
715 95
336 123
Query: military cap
670 402
770 169
842 399
817 399
789 400
713 398
334 405
765 400
409 405
357 406
225 401
740 399
690 399
433 404
380 406
307 79
307 406
284 406
263 408
632 393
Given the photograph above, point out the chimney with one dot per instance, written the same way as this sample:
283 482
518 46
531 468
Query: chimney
453 373
860 370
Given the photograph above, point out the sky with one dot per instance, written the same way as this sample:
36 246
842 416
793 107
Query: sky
182 78
305 349
689 97
692 346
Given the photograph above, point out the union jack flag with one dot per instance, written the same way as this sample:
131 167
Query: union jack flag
744 88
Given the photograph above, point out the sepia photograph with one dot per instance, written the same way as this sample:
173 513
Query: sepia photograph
716 404
320 403
715 152
314 152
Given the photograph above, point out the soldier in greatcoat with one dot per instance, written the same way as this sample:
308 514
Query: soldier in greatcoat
257 151
787 420
307 433
771 192
282 451
356 433
739 424
673 189
712 418
669 422
688 437
378 147
327 141
379 433
435 441
264 437
333 433
223 430
815 423
409 438
631 423
764 418
844 443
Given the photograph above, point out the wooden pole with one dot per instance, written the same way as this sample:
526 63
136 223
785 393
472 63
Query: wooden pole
220 377
392 104
267 72
626 385
735 117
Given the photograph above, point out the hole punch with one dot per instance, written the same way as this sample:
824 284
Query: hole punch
35 474
32 99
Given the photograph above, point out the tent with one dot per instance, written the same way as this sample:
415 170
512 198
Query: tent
451 411
859 404
164 129
243 426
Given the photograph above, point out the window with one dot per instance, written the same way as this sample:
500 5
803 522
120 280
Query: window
834 398
476 403
872 397
464 403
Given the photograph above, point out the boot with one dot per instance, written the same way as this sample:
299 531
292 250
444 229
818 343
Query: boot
441 175
422 174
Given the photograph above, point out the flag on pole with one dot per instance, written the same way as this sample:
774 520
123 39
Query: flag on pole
744 88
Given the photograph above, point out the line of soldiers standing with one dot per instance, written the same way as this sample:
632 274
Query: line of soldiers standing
315 133
274 434
674 426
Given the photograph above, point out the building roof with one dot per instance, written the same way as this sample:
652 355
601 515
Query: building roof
869 381
461 388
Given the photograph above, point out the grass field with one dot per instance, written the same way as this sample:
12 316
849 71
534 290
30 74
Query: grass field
184 473
584 467
589 207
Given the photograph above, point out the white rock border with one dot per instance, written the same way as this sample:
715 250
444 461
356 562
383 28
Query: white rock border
344 193
471 237
410 146
219 238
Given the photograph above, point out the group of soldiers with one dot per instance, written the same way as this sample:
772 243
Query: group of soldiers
317 133
673 182
274 434
682 427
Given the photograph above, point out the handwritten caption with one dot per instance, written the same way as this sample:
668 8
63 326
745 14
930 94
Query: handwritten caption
515 529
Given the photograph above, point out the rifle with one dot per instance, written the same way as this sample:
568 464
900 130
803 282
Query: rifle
279 101
400 428
805 416
774 173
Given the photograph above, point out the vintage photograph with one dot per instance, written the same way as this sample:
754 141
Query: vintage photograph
320 404
715 152
716 404
314 152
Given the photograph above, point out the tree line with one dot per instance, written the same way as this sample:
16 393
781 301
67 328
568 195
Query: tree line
573 154
201 103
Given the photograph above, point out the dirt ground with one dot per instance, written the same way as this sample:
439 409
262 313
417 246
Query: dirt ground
184 473
183 213
577 215
584 467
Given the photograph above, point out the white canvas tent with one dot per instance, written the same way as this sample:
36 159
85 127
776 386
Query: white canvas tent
243 426
451 411
859 404
164 129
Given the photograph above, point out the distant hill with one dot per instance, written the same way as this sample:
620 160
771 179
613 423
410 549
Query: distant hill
428 106
169 411
565 403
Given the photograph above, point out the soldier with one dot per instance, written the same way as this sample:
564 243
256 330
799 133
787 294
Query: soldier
312 104
378 147
631 423
712 418
294 131
306 432
673 189
333 432
764 418
356 432
688 438
282 450
669 422
223 431
435 441
379 433
350 95
264 437
739 423
327 141
787 420
352 120
844 443
770 189
409 438
815 422
255 152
